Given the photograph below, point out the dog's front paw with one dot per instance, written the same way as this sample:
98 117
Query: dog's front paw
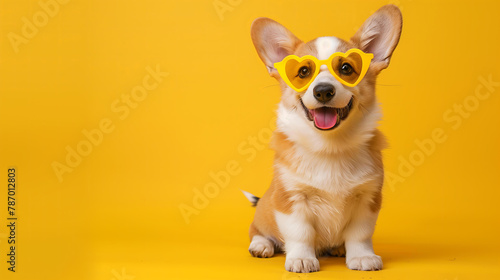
370 262
261 247
302 265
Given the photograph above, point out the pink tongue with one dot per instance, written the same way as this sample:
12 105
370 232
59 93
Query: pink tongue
324 117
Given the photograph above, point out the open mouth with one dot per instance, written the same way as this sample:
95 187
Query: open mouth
326 118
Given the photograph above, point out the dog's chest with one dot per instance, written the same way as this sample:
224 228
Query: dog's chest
331 173
328 191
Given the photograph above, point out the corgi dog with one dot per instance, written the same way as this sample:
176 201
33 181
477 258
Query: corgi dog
326 190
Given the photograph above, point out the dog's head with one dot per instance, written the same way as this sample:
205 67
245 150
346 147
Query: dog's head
327 104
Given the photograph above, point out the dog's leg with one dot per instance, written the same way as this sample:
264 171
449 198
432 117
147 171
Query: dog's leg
260 247
298 235
358 239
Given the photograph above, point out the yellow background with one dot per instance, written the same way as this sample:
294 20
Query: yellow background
116 215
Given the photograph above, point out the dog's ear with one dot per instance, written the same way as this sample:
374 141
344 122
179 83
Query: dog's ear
273 42
380 34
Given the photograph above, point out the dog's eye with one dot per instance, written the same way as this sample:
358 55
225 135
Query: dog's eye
346 69
304 71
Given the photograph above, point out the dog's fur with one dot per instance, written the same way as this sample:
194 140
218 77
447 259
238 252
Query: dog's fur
326 190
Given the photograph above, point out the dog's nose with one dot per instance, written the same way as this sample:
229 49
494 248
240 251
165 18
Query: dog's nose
324 92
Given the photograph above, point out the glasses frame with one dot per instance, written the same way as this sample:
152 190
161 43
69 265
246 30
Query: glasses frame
365 60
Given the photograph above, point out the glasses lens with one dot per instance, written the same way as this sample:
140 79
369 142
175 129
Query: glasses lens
300 73
348 68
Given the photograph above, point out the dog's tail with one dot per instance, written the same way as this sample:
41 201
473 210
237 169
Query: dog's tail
252 198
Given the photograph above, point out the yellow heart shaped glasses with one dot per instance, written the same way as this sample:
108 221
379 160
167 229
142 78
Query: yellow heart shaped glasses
348 68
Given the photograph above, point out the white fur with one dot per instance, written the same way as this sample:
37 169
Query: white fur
299 235
358 242
252 198
326 46
294 124
342 94
261 247
329 173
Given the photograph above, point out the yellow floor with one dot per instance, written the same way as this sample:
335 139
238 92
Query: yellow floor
230 260
209 248
219 251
